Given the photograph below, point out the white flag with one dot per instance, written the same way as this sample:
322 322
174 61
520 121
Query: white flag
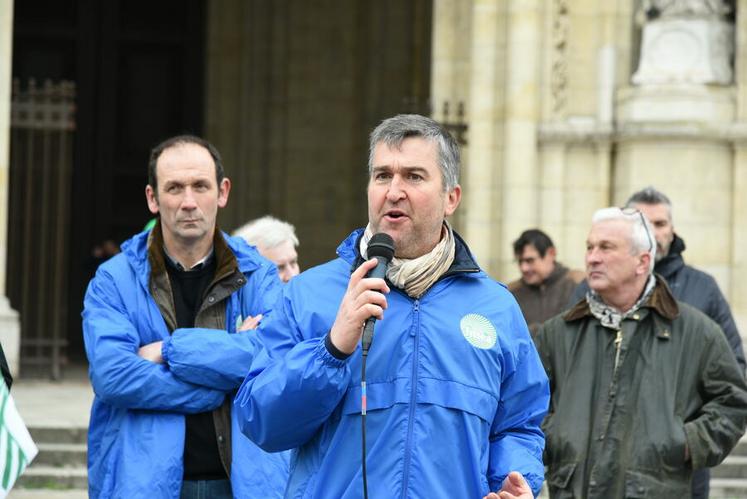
16 447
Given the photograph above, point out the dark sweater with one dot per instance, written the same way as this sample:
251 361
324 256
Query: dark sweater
201 456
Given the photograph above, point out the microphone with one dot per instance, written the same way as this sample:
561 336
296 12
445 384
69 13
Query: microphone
380 246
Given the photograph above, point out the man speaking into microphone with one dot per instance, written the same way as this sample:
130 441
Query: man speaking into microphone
455 391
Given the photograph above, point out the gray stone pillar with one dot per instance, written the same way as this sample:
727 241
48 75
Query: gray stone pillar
676 129
481 198
738 295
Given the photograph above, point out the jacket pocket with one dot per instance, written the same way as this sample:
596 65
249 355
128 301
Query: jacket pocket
561 477
444 393
458 396
559 480
675 457
640 485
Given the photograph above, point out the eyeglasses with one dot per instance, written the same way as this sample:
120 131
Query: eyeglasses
633 212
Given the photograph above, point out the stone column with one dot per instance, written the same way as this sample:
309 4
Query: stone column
450 73
520 176
10 329
738 295
675 130
481 198
676 138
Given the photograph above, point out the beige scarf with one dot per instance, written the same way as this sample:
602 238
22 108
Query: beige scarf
415 276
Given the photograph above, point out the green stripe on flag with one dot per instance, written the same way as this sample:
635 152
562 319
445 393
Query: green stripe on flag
21 464
8 460
15 459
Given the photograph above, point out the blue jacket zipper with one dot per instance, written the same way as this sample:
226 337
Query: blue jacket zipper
413 400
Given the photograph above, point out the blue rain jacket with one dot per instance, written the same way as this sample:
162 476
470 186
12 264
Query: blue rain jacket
137 426
455 389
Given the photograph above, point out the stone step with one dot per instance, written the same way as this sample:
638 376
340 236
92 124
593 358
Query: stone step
60 455
741 448
732 467
58 435
728 488
53 477
17 493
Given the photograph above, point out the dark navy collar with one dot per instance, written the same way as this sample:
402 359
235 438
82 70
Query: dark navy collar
197 266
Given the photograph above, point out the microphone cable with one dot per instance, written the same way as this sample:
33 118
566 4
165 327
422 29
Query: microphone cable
363 420
381 246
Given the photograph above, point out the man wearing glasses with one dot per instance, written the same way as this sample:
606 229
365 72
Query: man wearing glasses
545 284
688 285
644 389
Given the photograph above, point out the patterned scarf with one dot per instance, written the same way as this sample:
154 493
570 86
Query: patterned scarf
610 317
415 276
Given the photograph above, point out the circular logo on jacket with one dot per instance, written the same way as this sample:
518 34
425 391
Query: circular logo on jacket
478 330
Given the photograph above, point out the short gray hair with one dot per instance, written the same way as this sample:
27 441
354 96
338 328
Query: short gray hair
393 131
267 232
641 233
650 195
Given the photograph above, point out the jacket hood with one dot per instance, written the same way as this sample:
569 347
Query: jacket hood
673 262
464 261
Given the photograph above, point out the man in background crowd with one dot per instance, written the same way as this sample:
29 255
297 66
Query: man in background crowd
167 344
644 389
688 284
545 284
276 240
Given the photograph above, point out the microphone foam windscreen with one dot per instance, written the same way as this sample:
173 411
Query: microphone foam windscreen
381 245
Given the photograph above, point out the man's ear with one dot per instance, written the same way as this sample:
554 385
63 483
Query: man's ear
223 189
152 198
644 264
453 198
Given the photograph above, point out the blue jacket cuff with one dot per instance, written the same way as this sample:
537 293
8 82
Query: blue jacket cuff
329 354
165 347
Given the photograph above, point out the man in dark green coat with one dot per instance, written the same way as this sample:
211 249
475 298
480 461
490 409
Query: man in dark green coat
644 389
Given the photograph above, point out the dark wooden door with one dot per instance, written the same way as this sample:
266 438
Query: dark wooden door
138 68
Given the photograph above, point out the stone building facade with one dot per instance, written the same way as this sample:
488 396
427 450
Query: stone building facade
574 104
564 106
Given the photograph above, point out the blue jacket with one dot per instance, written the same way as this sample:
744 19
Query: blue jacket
137 426
455 389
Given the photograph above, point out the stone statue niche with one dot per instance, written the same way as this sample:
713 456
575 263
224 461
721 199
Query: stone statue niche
686 42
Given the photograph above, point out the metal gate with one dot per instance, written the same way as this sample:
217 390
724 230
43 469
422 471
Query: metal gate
41 160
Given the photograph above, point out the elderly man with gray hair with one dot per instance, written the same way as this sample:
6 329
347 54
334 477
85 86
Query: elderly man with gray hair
275 240
644 389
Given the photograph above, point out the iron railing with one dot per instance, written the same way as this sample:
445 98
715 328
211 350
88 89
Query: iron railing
41 160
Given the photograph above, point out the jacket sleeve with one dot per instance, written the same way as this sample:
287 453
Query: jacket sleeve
516 440
722 419
293 387
119 376
221 359
719 311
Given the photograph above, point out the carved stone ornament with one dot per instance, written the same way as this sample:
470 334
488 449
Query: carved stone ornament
559 68
678 9
689 50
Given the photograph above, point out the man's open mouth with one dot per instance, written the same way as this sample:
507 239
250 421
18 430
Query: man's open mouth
395 214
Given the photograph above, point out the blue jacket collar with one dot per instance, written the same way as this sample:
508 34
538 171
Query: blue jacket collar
136 252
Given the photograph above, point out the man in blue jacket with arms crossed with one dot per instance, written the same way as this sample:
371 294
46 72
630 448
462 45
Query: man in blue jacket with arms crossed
164 325
455 388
